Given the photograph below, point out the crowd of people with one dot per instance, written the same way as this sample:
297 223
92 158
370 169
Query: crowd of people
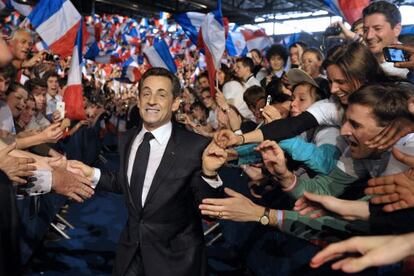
309 146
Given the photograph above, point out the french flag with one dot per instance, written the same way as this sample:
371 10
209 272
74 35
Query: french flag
159 55
257 39
130 70
40 46
57 22
24 9
190 22
73 96
212 39
350 10
236 44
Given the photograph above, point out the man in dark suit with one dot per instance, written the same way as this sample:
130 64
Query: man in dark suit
164 175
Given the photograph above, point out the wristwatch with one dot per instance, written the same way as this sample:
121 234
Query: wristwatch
264 220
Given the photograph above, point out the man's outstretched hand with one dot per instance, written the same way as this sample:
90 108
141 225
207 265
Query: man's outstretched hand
213 158
16 168
72 185
397 190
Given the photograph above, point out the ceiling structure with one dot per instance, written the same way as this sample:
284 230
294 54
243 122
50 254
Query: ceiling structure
238 11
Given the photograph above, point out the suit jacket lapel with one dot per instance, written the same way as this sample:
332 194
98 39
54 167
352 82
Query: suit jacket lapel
165 165
129 139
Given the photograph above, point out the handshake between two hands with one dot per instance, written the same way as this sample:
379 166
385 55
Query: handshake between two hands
71 178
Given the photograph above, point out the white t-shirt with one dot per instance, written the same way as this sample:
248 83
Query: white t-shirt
6 119
327 112
233 92
392 71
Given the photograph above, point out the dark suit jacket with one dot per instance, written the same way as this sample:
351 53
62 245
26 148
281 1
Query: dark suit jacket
9 229
167 231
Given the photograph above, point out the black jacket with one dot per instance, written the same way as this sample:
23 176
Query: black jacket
167 230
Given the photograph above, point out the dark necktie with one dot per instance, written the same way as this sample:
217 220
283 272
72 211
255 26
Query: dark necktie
140 168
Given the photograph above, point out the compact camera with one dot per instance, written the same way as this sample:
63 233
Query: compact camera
333 31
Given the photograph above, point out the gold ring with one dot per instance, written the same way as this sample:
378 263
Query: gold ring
219 214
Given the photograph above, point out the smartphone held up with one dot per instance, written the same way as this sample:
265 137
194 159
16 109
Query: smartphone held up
395 55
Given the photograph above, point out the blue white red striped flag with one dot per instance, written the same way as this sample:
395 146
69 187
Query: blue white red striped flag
212 39
350 10
73 96
190 22
57 23
159 55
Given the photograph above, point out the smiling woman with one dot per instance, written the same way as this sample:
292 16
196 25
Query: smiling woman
16 99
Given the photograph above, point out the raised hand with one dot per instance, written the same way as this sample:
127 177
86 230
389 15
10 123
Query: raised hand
373 251
273 157
270 114
56 116
226 138
16 168
410 49
35 60
213 158
236 207
397 190
52 133
221 100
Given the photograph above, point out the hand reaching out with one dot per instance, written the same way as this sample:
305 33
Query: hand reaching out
236 207
410 49
373 251
16 168
397 190
74 186
271 113
319 205
52 133
213 158
273 157
78 167
226 138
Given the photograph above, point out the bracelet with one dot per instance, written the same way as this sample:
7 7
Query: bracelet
213 177
243 140
288 189
279 218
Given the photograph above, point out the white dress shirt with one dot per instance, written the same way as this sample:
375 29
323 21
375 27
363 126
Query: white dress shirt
251 81
158 145
51 103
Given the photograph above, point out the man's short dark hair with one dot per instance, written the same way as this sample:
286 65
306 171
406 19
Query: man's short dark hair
388 102
202 75
14 86
162 72
277 50
253 94
32 83
200 105
50 74
389 10
247 62
298 43
8 72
